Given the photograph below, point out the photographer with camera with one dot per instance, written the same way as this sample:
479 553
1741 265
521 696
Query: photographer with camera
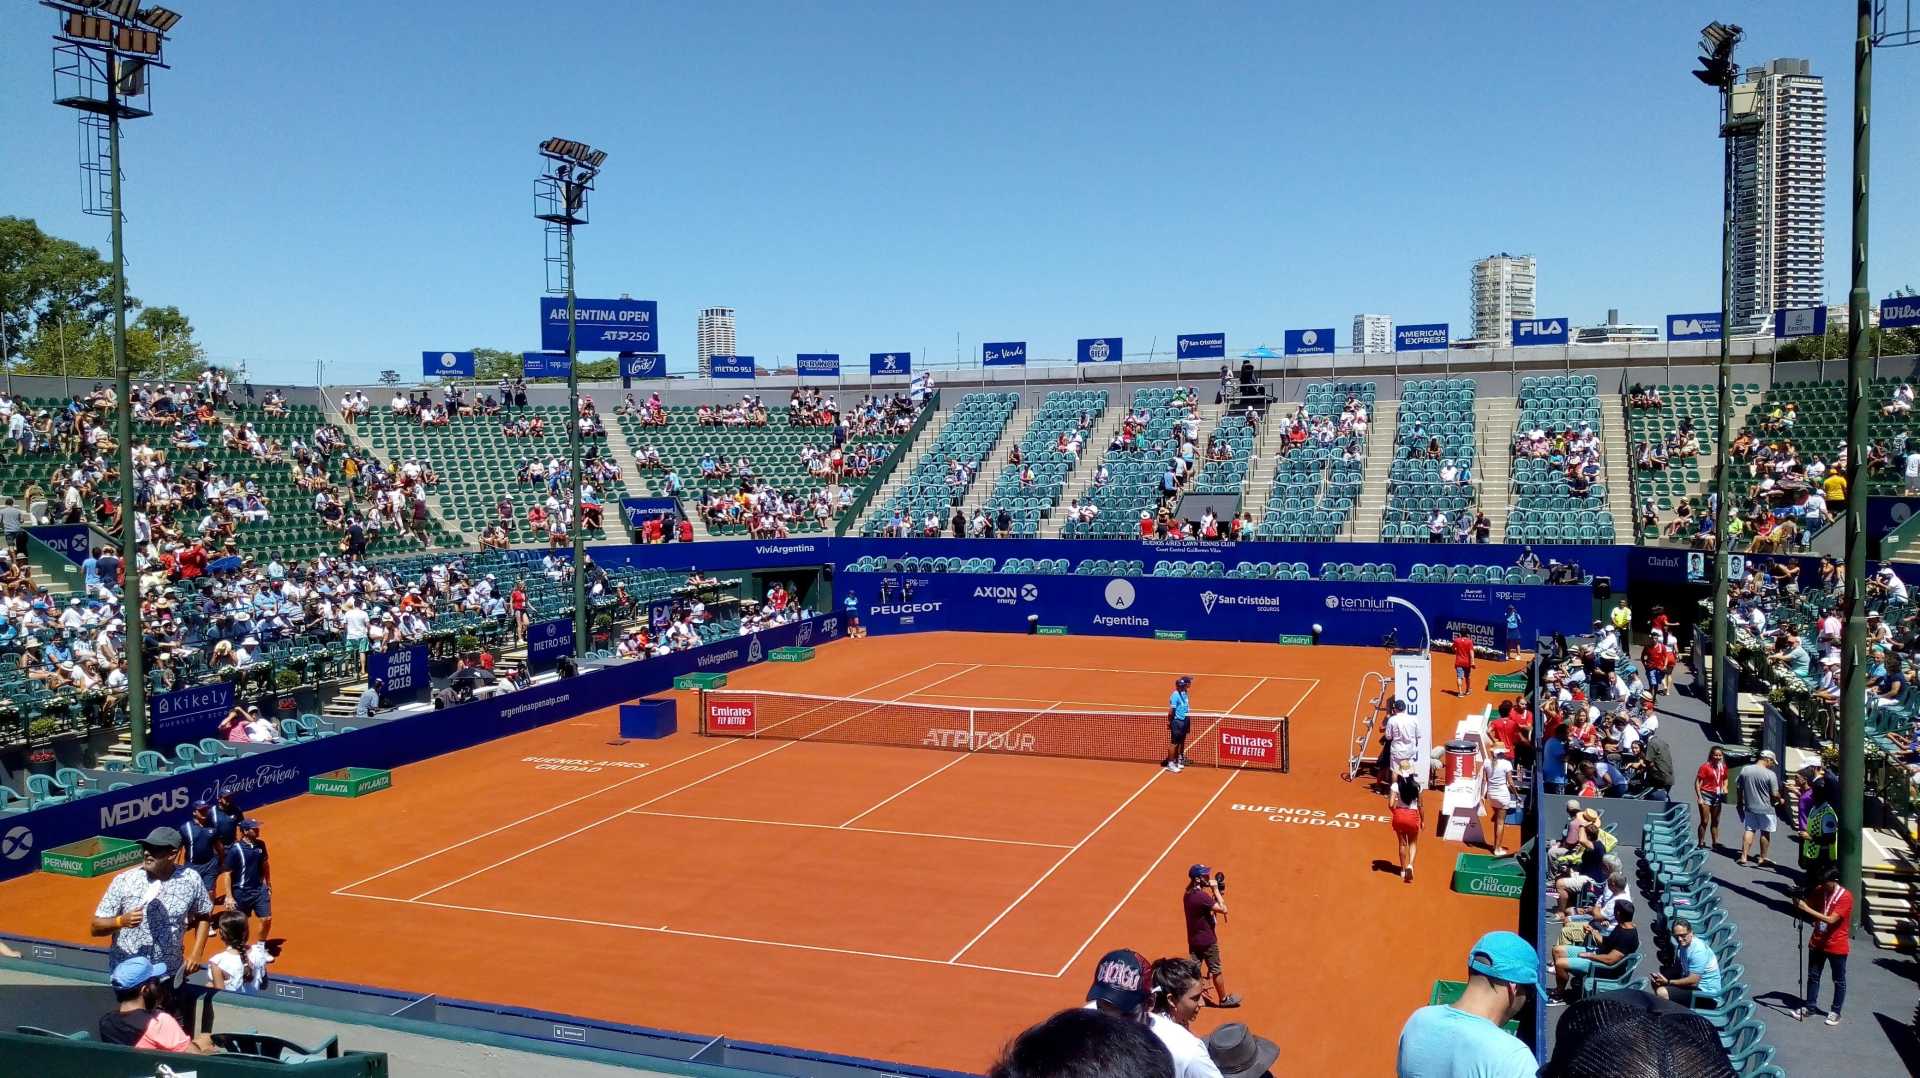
1204 903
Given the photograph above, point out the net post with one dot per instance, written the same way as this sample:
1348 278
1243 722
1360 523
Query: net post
1286 744
700 716
973 737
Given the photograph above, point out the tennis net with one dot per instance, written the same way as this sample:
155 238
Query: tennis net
1215 739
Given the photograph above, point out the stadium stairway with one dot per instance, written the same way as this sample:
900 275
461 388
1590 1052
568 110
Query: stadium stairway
1259 488
1370 511
981 492
1618 464
908 462
1081 478
1890 878
1496 416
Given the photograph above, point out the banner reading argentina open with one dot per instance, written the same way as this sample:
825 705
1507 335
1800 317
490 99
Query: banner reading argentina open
601 325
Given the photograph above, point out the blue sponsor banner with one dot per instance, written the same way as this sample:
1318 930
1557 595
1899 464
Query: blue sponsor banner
1201 346
1098 350
601 325
187 714
545 364
1421 338
71 541
1528 332
547 641
1309 342
643 365
1003 354
404 669
1701 326
1900 312
1799 322
1350 613
637 511
263 778
730 366
817 364
446 364
889 363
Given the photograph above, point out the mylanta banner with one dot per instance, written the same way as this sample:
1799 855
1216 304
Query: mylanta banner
1349 613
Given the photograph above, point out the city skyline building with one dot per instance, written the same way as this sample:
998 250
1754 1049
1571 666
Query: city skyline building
1502 289
1373 333
716 336
1779 194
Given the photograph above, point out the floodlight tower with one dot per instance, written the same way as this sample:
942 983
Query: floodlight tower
1737 118
102 52
560 194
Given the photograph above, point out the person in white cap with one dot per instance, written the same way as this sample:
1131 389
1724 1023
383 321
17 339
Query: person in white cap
1759 802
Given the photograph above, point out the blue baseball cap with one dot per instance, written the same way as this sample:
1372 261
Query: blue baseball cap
1504 956
136 971
1197 871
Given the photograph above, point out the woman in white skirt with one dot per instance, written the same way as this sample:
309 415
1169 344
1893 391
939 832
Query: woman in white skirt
1499 794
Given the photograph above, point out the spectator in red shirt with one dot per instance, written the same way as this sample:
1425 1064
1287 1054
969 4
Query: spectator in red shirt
1146 524
1502 727
1709 794
1463 663
1202 904
193 561
1659 660
1831 908
651 531
686 530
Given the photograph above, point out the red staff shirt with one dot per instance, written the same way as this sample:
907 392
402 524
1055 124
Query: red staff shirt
1832 939
1463 651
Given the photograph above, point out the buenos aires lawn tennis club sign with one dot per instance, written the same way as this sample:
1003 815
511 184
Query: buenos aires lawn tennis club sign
265 777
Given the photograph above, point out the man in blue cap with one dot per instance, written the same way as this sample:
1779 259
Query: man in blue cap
1465 1039
1203 904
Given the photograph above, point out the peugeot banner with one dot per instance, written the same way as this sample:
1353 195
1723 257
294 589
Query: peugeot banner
889 363
1098 350
600 325
817 364
1309 342
1528 332
1003 354
1704 326
1799 322
643 365
730 366
545 364
1202 346
446 364
1900 312
1421 338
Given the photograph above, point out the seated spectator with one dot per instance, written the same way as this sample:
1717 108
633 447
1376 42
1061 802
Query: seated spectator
1604 945
137 1020
1084 1043
1630 1034
1697 982
1466 1037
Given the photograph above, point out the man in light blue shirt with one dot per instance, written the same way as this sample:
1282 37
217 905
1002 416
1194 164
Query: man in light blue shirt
1177 706
1464 1039
1699 980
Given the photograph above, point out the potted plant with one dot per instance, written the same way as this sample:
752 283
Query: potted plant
467 646
40 756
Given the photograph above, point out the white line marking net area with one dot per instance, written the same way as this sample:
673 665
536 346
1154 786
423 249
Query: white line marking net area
641 809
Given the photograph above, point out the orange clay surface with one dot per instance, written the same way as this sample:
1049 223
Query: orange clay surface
905 904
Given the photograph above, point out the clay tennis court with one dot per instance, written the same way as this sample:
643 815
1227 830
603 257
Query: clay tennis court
899 903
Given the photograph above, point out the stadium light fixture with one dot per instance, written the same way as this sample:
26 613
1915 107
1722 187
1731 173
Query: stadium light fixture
1717 41
103 53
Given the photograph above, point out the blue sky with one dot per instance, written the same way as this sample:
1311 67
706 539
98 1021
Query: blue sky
352 182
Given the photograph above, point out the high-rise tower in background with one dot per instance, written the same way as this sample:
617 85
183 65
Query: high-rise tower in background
1373 333
1503 287
716 335
1779 194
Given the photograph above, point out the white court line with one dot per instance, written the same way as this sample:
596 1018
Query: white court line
863 830
1128 708
574 801
655 798
1303 696
963 756
1075 848
1124 899
664 930
1227 714
1137 670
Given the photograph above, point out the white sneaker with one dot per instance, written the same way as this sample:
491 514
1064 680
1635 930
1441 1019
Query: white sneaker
1833 1019
1178 766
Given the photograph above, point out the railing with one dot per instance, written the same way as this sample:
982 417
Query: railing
878 479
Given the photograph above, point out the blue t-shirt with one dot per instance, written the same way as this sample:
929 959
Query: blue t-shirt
1177 704
1701 959
1553 759
1442 1042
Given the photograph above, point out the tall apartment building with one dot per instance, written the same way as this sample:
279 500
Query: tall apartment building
1503 287
716 336
1373 333
1779 193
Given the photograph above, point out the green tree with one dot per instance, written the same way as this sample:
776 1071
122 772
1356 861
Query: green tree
160 345
492 364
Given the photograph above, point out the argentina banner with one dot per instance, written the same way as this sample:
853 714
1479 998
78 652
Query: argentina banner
1309 342
446 364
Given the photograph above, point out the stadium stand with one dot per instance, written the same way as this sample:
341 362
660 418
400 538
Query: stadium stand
1161 426
1559 487
1671 430
948 469
1431 487
1031 490
1319 462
